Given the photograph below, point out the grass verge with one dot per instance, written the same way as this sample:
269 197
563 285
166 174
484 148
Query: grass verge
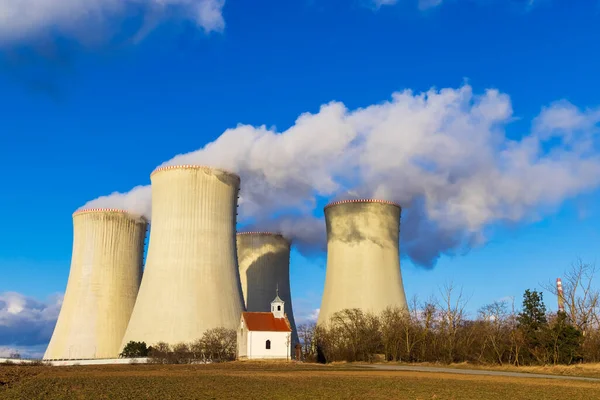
585 370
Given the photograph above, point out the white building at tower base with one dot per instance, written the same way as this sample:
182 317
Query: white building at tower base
265 335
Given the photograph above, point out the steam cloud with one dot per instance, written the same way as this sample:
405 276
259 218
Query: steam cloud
444 155
77 19
41 40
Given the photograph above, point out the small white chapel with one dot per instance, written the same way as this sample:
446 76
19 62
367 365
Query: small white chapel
265 335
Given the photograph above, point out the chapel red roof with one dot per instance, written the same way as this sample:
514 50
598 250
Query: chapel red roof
266 322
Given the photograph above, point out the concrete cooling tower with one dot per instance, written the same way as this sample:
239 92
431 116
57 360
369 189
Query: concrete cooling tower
363 260
191 281
264 261
106 269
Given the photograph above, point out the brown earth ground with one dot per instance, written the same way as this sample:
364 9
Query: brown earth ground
255 380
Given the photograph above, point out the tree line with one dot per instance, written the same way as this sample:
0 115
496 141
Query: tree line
439 330
216 345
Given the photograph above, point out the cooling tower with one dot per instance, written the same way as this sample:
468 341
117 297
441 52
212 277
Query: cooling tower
264 261
363 260
106 269
191 281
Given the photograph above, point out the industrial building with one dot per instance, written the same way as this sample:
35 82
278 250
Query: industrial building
264 264
363 260
191 280
200 275
105 274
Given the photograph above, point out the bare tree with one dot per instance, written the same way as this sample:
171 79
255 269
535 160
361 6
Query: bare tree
351 335
494 317
581 298
306 334
197 350
427 319
515 336
216 345
180 354
394 323
159 353
219 344
452 315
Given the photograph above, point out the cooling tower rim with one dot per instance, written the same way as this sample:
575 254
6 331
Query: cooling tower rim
260 233
193 166
106 211
377 201
263 233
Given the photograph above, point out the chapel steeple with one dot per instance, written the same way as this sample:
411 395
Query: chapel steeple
277 305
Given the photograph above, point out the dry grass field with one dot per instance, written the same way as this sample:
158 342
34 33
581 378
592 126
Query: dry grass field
272 381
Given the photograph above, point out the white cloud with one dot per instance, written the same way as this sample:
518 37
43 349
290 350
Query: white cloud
562 119
27 19
425 4
442 154
379 3
36 352
306 316
25 321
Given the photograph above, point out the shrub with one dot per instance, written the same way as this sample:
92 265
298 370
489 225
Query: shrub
216 345
159 353
134 349
219 345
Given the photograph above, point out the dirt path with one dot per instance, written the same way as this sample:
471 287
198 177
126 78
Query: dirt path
475 372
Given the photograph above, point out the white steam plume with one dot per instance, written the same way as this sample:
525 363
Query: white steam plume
27 19
137 201
443 155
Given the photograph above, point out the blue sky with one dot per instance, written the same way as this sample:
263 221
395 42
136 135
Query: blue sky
85 112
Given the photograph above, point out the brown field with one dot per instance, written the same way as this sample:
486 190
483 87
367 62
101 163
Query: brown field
590 370
272 381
